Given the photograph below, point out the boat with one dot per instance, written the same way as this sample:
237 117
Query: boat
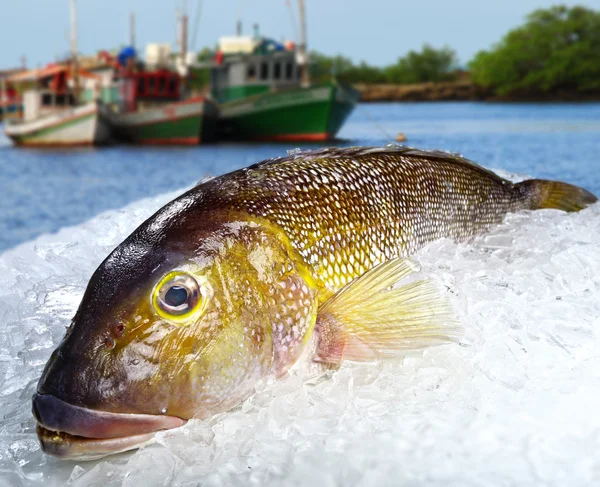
154 109
315 113
187 122
264 92
156 106
11 104
53 115
54 111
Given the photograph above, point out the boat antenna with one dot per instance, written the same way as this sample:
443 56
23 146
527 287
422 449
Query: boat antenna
292 19
196 24
238 24
302 53
74 59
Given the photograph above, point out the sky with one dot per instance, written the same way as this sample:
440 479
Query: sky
376 31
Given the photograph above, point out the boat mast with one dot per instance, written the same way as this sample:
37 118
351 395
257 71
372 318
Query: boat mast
132 29
183 43
184 28
74 59
302 53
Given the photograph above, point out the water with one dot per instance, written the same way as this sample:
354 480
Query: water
43 191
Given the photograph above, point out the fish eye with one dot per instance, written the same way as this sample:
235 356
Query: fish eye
178 295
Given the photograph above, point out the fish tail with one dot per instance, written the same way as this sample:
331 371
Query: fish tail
554 194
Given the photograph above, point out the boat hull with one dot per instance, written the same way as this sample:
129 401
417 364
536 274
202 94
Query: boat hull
187 122
84 125
304 114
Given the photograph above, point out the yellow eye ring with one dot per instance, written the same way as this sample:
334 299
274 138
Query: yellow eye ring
178 297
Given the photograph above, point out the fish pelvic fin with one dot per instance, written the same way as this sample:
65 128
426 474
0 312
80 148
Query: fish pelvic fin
370 319
556 195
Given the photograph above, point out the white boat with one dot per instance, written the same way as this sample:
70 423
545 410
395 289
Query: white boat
54 112
85 124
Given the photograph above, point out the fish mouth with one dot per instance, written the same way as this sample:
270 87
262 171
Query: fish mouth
77 433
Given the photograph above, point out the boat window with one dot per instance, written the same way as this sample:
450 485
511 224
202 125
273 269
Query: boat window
47 99
162 85
264 70
289 70
251 75
277 70
60 100
151 85
172 86
140 86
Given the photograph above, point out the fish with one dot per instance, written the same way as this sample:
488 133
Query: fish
306 258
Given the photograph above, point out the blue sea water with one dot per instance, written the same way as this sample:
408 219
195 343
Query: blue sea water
44 190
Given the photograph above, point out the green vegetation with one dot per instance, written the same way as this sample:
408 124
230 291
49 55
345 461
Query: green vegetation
200 77
555 52
430 64
557 49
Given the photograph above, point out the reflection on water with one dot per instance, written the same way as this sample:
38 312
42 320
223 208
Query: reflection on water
43 191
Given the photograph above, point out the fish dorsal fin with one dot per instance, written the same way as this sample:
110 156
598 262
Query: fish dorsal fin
370 318
359 151
445 156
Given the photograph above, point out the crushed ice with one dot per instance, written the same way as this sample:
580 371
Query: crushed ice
514 403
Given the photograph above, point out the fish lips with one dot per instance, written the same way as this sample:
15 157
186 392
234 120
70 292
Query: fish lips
73 432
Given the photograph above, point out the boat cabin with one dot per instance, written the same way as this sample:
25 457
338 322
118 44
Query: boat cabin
54 88
246 66
97 78
149 88
11 103
156 85
149 84
45 91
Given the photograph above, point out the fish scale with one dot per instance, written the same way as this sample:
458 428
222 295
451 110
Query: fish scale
347 210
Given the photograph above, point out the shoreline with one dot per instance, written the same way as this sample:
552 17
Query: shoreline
461 90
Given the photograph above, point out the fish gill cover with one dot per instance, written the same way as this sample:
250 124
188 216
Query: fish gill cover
515 401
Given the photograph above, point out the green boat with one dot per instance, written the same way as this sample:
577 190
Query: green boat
155 104
296 114
162 118
264 92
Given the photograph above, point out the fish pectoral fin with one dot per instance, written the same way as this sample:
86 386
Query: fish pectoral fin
370 318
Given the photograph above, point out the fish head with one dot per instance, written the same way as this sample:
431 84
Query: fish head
181 321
